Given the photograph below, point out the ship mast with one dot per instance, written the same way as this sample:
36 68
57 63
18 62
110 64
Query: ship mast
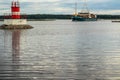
85 7
75 8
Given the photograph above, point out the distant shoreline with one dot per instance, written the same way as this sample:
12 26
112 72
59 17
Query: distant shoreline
36 19
49 17
41 19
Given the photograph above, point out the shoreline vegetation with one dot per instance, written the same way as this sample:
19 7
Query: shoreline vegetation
49 17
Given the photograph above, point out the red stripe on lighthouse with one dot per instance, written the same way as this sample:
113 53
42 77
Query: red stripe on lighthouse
15 9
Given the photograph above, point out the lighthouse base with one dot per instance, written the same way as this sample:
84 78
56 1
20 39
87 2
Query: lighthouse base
15 26
15 21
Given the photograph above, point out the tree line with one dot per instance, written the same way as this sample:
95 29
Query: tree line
61 16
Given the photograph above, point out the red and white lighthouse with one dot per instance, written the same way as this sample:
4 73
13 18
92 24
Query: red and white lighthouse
15 10
15 20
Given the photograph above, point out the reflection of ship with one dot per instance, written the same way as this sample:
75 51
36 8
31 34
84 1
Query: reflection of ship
84 15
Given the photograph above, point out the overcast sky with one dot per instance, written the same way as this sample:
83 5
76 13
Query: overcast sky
62 6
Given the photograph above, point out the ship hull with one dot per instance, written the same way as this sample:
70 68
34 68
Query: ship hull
77 18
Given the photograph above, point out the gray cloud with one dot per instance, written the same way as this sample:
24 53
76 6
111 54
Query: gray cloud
60 6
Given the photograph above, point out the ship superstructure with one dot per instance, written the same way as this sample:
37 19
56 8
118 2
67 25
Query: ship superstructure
84 15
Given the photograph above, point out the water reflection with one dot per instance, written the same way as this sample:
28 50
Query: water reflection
16 42
16 52
12 42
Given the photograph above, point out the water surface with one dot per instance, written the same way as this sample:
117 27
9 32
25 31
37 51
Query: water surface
61 50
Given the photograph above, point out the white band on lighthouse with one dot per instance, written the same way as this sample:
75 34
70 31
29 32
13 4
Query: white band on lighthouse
15 13
15 21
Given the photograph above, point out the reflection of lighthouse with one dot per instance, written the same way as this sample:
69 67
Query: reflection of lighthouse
16 42
12 46
14 20
15 51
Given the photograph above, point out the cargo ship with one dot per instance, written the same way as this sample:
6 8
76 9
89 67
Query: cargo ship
84 15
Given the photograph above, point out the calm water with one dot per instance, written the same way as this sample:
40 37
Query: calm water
61 50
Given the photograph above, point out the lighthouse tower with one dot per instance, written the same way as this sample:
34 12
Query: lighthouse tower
15 21
15 17
15 10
